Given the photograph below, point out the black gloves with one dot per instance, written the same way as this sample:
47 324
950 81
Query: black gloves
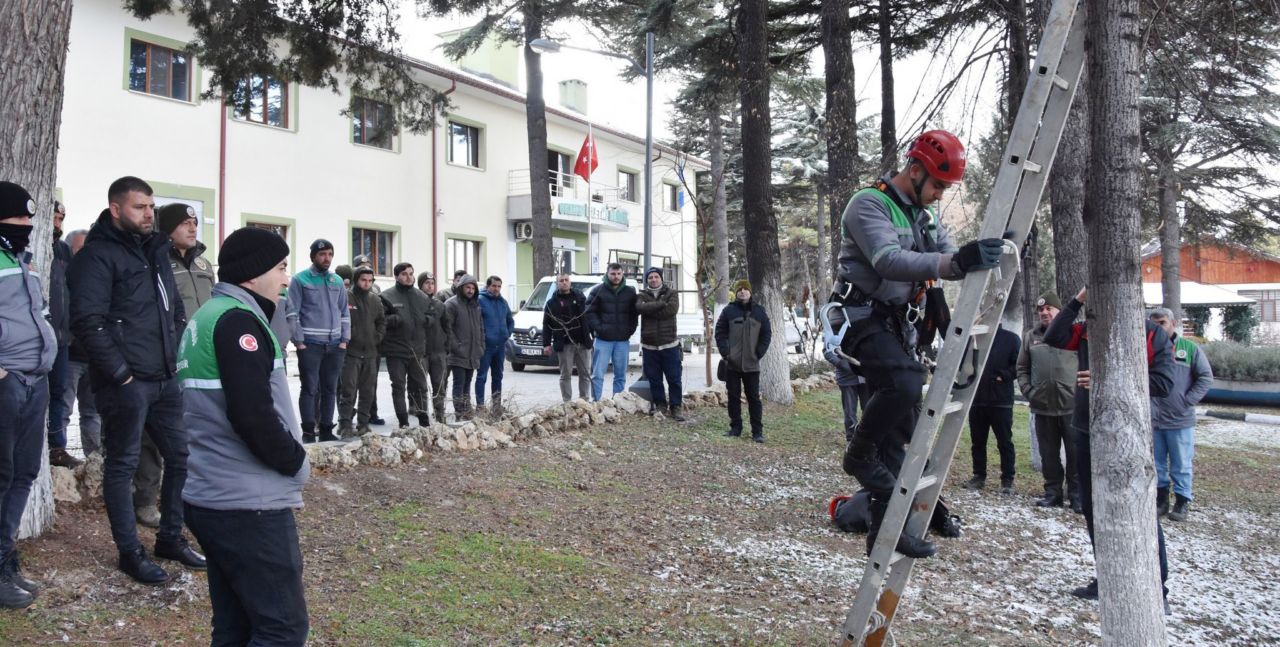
979 255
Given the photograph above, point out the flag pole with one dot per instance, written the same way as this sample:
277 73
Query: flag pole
591 155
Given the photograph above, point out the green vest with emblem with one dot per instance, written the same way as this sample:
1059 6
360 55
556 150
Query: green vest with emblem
197 365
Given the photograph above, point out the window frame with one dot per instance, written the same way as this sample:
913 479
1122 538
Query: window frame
632 188
479 144
451 261
288 109
393 135
670 197
195 75
394 244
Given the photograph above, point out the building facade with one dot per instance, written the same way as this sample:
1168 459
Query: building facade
456 197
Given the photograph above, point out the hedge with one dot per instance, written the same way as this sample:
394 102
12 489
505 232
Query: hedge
1233 361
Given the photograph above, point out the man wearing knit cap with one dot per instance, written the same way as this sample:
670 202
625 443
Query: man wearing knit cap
360 367
345 273
742 336
1047 379
321 328
247 465
126 311
405 346
26 358
660 350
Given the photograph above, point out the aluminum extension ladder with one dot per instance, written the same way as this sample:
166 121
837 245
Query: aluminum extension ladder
1019 184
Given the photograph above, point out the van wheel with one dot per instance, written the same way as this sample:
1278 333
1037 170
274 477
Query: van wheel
518 367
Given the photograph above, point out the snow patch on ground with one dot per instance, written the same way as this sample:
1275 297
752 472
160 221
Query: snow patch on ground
1232 433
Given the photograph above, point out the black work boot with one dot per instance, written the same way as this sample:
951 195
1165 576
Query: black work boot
862 461
13 596
326 434
908 545
180 551
1049 500
1162 501
1180 508
345 429
424 419
12 570
975 483
138 565
308 432
1088 591
677 414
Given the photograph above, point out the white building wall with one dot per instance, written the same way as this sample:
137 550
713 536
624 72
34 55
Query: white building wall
311 175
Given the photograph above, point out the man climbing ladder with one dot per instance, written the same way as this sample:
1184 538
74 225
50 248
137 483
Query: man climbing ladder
893 245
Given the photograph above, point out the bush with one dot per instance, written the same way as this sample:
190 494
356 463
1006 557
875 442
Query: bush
1198 316
1233 361
1239 322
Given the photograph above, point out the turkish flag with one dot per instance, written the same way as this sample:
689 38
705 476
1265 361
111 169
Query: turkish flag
587 159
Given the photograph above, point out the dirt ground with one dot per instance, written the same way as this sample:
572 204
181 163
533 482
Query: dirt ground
665 534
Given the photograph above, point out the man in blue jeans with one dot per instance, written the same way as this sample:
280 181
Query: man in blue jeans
498 326
1173 418
320 327
612 316
25 360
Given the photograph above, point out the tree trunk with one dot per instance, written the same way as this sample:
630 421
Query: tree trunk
536 119
30 115
1030 277
719 210
764 259
842 119
888 113
1123 467
822 273
1066 197
1170 238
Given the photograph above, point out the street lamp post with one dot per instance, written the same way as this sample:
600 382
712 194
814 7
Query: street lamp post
548 46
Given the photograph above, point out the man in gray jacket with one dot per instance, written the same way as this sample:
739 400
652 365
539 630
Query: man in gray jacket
247 466
27 351
1047 379
321 327
1173 418
466 342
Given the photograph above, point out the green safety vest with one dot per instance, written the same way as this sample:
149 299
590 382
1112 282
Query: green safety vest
1184 351
197 363
901 223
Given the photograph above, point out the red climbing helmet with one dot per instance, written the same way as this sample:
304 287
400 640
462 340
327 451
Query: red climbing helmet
941 154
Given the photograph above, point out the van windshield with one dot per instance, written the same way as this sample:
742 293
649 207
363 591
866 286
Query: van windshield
538 300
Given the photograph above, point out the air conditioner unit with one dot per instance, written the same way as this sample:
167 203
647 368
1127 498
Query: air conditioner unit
524 230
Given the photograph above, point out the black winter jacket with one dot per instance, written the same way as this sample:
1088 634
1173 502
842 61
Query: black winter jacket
1064 333
407 328
564 320
657 316
743 335
1002 363
611 313
125 307
59 295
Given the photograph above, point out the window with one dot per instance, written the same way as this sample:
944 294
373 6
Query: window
266 101
627 186
561 168
376 244
159 70
672 197
464 144
465 255
1267 301
280 230
371 123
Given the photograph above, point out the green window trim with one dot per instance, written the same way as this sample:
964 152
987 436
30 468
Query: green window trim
291 223
482 157
352 225
207 196
197 73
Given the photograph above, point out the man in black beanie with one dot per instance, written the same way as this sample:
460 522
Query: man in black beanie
25 361
126 312
247 465
321 328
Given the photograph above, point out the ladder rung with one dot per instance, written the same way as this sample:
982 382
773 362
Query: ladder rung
1061 83
897 557
926 481
979 329
951 407
1031 167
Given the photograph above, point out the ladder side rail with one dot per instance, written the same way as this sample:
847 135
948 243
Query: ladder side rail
997 217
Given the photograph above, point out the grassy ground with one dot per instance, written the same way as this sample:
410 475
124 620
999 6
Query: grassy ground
642 534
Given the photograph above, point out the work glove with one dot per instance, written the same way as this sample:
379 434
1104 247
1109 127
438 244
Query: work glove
979 255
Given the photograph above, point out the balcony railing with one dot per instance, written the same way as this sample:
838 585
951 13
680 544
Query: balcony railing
569 196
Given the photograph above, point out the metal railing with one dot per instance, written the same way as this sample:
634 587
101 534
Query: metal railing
566 186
